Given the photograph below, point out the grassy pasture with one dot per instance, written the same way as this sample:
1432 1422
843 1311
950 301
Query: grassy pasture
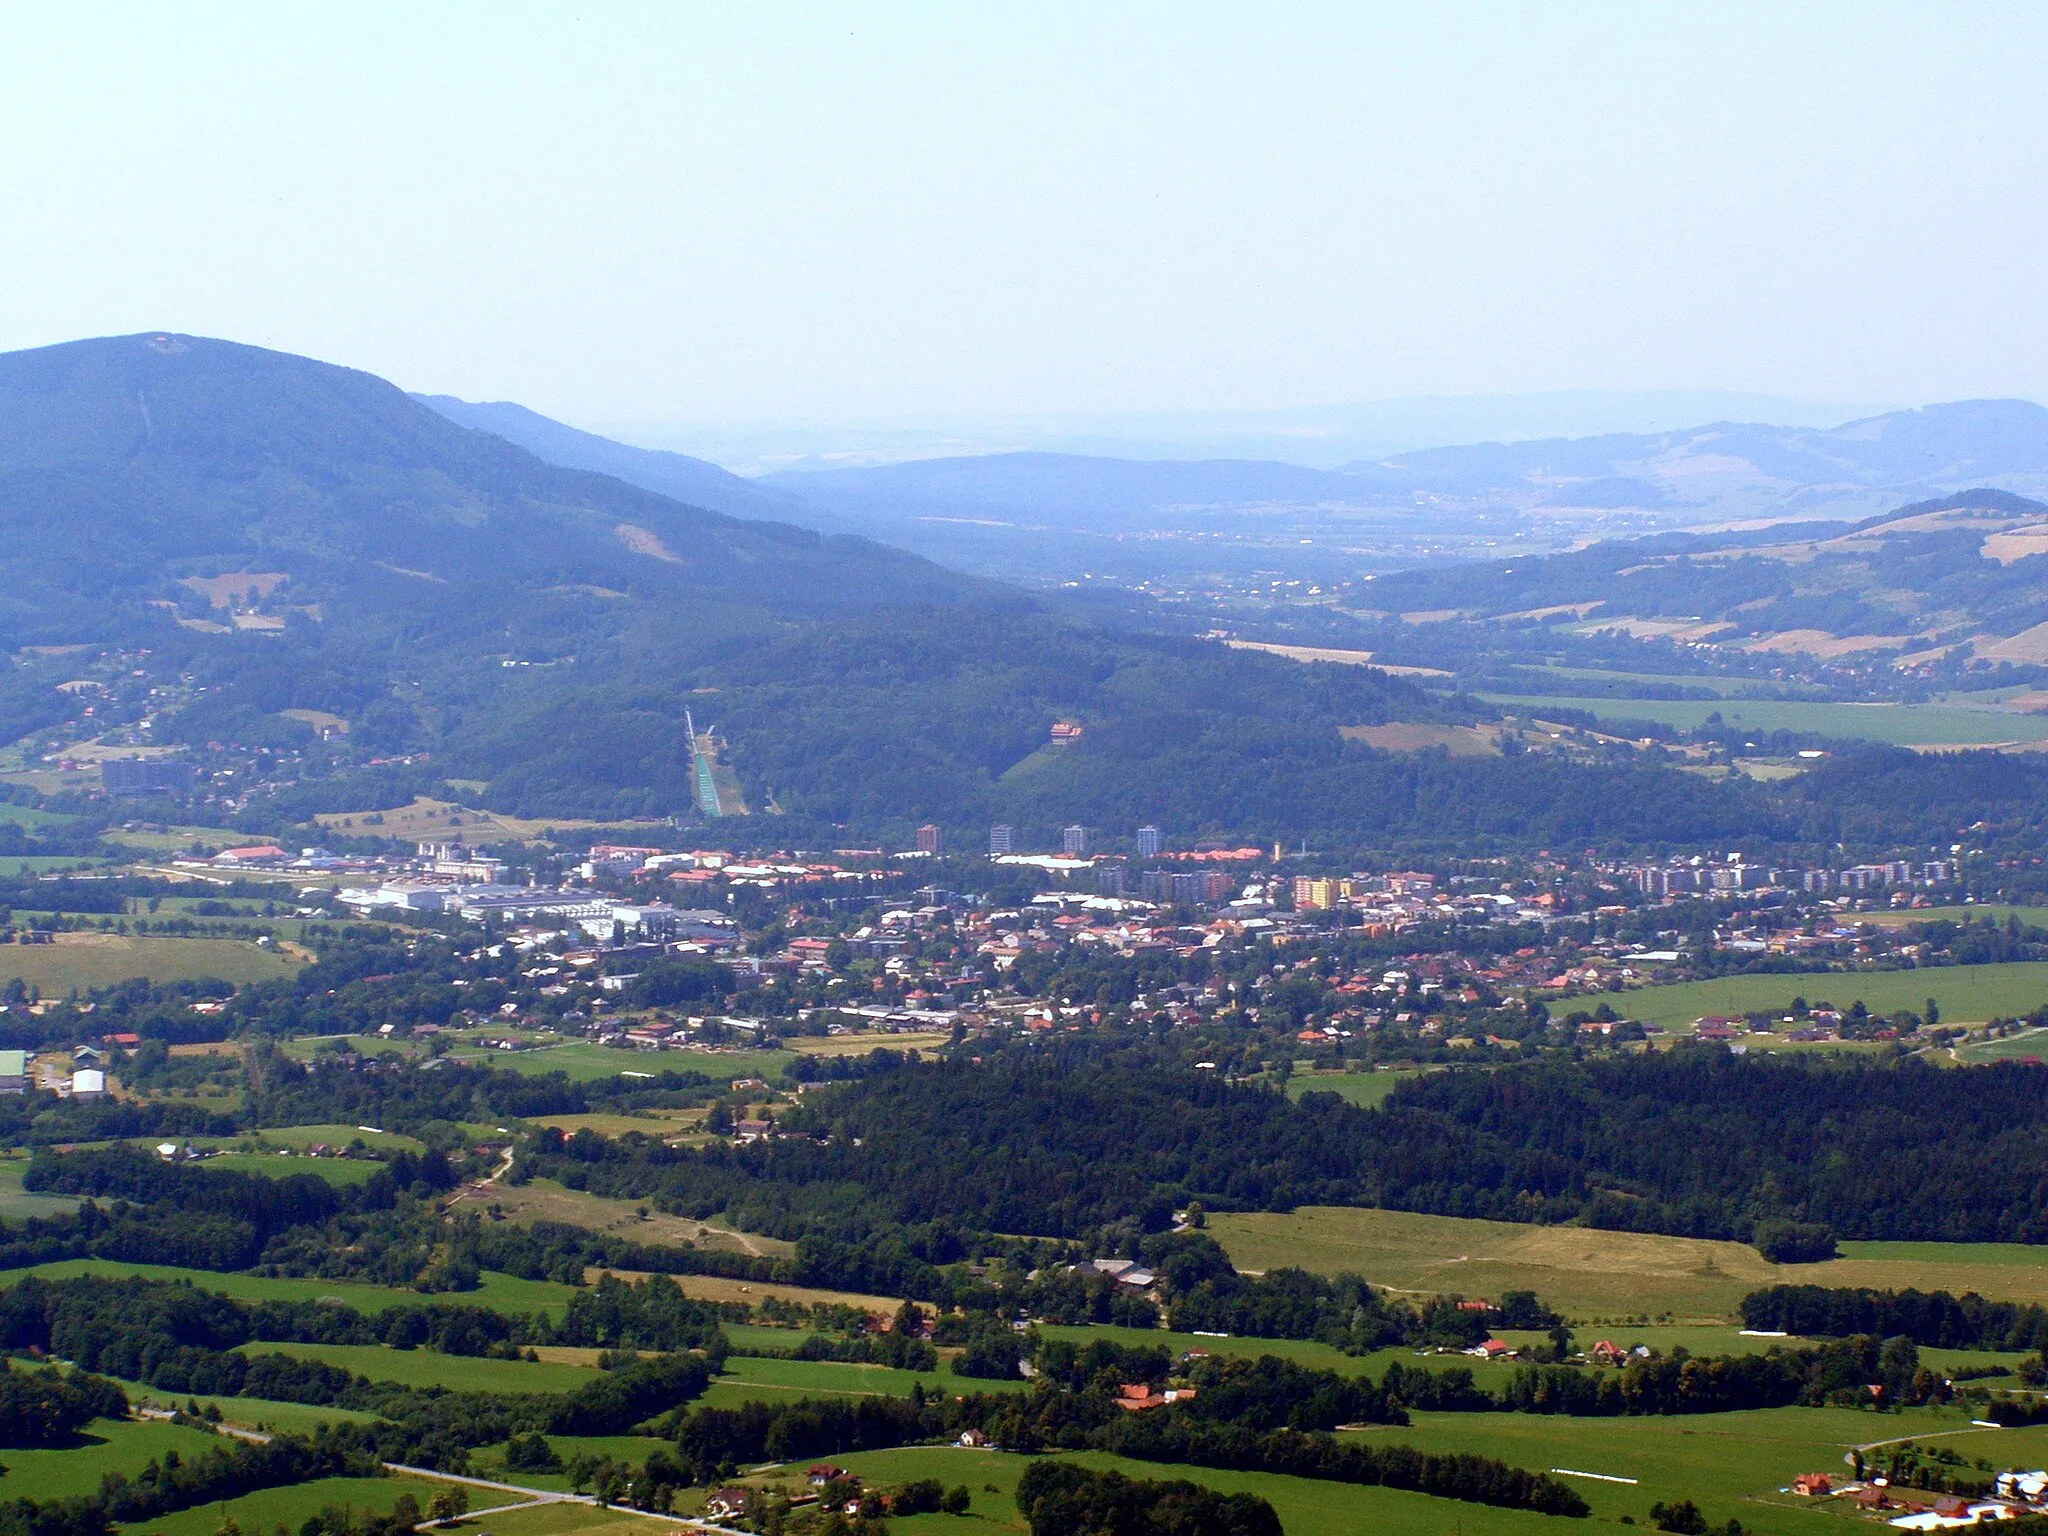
1368 1090
291 1506
2036 917
440 818
344 1172
17 1203
2029 1042
29 816
777 1380
1904 725
1966 993
302 1136
1305 1507
1730 1464
1696 1339
754 1292
584 1062
505 1293
425 1368
1589 1274
251 1412
106 1445
78 962
490 1461
564 1519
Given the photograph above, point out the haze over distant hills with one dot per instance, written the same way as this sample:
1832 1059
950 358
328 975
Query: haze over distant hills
1053 516
1316 437
271 542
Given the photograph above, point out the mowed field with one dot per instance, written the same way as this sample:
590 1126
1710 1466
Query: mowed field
426 818
1368 1090
1904 725
754 1292
750 1378
1967 994
2034 917
1592 1275
1305 1507
425 1368
579 1060
107 1445
584 1062
1733 1465
503 1293
291 1507
78 962
1730 1464
16 1203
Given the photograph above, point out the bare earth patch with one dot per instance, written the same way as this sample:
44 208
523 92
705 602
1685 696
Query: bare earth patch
2029 645
1341 658
754 1292
543 1200
426 818
645 541
1818 642
2005 548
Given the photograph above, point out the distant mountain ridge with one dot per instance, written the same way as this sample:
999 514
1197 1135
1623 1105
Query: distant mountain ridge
246 539
162 454
1791 469
696 482
1052 514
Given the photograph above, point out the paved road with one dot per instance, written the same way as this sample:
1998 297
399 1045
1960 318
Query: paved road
533 1497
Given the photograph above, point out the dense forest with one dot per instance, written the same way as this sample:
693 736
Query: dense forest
1696 1143
1932 1318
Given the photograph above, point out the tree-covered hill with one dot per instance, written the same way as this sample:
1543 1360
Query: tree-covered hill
1061 1139
265 536
130 462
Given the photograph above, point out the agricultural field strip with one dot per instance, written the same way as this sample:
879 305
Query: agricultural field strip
1590 1274
1894 724
1966 993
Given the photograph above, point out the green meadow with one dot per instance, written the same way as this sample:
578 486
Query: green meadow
1731 1464
426 1368
106 1445
1904 725
1590 1275
1368 1090
291 1507
1965 993
505 1293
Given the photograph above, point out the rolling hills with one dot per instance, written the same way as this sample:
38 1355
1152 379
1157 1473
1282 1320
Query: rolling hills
248 545
1057 515
269 534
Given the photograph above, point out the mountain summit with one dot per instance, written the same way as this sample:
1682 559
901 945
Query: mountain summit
169 456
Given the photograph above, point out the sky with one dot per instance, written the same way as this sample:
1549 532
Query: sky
790 213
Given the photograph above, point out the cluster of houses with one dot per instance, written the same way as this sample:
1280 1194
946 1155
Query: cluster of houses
831 1489
1913 1509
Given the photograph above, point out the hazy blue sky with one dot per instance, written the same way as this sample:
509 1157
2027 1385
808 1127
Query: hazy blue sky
616 212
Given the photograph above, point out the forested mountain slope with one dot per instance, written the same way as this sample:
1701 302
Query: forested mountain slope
131 462
1961 573
266 536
